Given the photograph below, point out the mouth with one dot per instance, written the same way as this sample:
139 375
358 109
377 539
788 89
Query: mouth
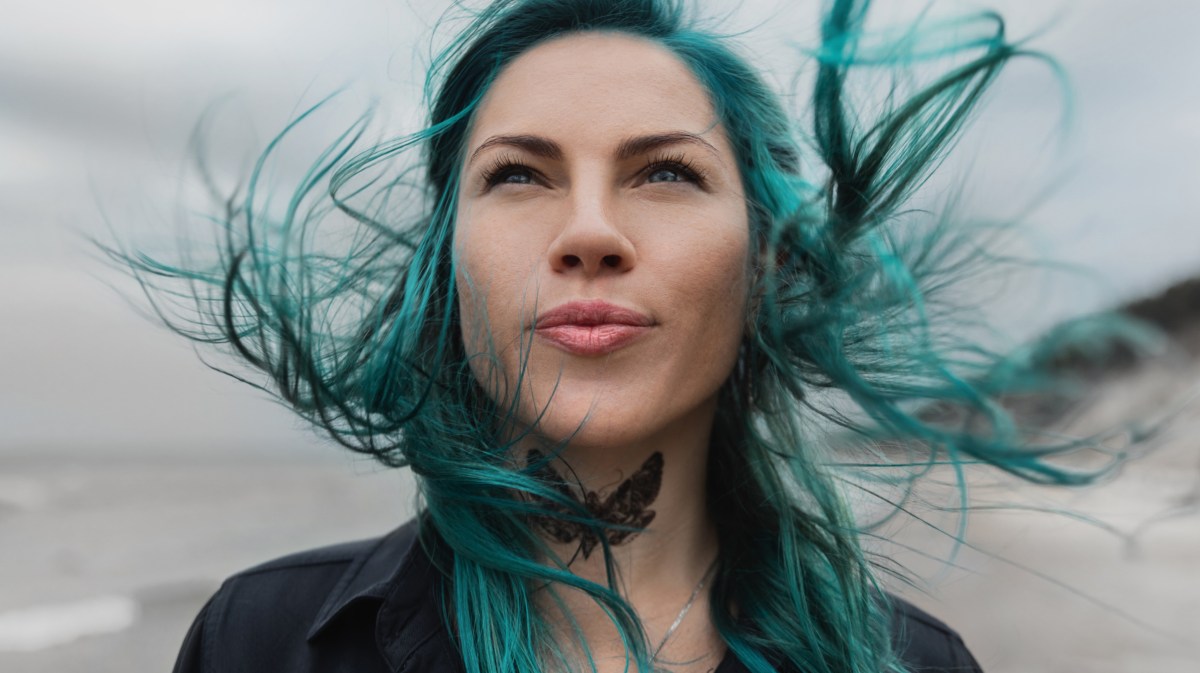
591 328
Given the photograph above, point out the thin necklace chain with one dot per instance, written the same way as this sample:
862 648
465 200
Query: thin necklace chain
683 612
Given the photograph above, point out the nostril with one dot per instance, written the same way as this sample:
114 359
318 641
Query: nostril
612 261
571 261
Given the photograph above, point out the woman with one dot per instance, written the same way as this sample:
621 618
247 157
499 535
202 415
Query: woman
601 348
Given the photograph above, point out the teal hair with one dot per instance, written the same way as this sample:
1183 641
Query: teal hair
360 332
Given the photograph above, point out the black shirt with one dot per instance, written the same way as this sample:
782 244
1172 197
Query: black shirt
370 607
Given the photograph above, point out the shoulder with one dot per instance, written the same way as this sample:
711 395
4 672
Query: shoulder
263 617
293 587
306 573
925 643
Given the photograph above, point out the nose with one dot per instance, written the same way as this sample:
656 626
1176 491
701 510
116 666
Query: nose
591 241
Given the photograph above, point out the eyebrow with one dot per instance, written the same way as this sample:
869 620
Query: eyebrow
632 147
535 145
629 147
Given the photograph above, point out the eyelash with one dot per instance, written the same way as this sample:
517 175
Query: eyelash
500 168
678 163
504 165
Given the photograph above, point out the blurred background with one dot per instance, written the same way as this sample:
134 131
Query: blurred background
133 478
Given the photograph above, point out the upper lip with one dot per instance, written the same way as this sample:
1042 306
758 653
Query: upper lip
590 313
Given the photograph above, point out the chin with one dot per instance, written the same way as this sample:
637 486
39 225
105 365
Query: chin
612 421
584 420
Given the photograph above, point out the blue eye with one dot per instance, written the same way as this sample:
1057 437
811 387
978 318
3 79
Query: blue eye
513 176
665 175
507 171
671 169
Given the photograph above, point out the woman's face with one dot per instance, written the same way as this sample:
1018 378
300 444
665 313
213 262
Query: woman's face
601 229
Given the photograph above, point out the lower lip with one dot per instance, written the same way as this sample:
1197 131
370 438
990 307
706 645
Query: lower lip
591 339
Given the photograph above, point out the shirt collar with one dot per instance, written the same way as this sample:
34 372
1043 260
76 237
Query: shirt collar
397 574
372 574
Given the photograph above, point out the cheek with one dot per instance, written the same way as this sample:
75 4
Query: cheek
707 283
727 289
474 285
493 272
492 266
473 278
709 272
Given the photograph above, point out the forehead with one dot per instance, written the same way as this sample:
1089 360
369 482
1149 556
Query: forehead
593 86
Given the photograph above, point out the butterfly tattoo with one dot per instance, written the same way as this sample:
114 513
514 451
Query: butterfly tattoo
626 505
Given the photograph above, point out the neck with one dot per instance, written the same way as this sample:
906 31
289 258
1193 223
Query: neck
658 484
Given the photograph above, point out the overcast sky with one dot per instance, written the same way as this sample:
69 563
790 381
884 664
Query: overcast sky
97 99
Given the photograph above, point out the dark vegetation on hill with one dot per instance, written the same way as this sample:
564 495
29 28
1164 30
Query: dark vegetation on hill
1174 312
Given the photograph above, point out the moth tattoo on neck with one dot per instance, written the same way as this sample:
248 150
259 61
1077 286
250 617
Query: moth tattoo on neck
626 505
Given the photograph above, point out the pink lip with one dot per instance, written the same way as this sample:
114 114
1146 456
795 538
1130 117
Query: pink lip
593 327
